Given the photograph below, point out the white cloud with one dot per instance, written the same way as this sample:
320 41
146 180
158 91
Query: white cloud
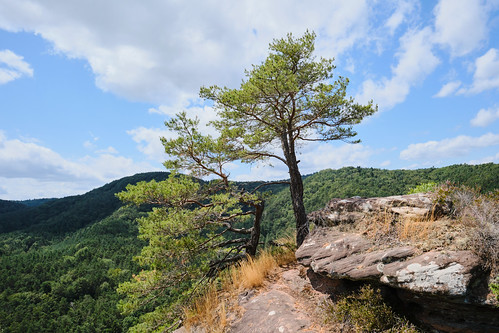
149 141
485 117
385 163
448 89
29 170
20 159
313 157
401 13
460 25
13 66
486 74
487 159
161 51
323 156
454 147
416 61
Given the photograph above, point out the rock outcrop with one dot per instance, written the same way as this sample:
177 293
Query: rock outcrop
445 290
337 211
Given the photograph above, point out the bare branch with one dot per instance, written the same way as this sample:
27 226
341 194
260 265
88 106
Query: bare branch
269 183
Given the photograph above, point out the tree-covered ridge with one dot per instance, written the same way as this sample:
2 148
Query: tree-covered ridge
10 206
59 216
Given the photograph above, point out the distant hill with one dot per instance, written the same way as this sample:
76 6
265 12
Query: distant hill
10 206
69 214
35 202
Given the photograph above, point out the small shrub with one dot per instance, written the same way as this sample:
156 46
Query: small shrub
494 287
423 188
283 250
366 311
479 213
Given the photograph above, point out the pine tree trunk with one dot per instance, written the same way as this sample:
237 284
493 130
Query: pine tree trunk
255 231
296 188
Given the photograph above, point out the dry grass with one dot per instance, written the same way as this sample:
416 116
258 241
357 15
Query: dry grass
211 310
387 229
208 311
252 272
418 229
411 230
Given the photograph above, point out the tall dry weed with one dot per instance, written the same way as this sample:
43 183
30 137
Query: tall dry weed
208 311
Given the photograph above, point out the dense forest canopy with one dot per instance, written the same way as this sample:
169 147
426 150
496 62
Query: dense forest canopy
61 261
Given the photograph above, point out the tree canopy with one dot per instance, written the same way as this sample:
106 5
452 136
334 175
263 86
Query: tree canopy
290 97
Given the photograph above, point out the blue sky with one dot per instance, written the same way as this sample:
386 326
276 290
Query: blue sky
85 86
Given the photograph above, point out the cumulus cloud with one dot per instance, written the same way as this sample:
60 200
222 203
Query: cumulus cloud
25 165
20 159
460 25
161 51
416 61
446 148
448 89
485 117
13 66
486 74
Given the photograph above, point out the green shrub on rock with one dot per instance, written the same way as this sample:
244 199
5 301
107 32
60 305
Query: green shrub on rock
366 311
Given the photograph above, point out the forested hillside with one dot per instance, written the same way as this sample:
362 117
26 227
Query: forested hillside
10 206
61 261
57 217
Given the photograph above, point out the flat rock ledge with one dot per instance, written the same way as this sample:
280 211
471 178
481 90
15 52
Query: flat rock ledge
444 290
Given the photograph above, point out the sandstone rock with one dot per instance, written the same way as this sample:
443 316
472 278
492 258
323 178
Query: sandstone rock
338 211
330 244
435 272
271 311
444 290
343 255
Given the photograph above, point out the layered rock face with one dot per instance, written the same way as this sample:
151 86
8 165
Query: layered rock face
445 290
350 210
